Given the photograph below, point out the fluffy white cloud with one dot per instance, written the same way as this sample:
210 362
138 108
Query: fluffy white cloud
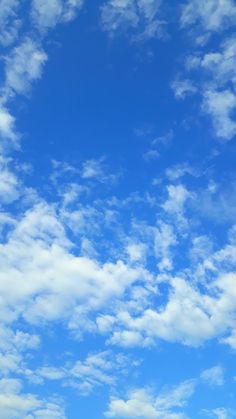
13 344
141 16
16 404
177 196
186 306
142 403
47 280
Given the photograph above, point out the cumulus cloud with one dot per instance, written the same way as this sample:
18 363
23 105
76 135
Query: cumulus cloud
213 312
142 403
69 284
15 403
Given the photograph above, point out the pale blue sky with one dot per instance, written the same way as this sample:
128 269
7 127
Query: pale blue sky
117 209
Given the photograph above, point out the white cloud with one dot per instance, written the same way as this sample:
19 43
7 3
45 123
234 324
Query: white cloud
180 170
212 15
182 88
47 14
216 84
47 281
23 66
163 241
221 64
175 205
140 16
214 376
9 23
151 154
220 105
136 251
219 413
142 403
16 404
93 169
100 368
7 127
186 306
9 184
230 340
13 344
177 197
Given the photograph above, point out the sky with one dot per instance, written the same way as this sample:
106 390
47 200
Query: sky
117 209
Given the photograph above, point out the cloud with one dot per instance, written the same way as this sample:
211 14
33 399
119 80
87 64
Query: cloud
221 105
13 346
164 240
15 403
214 376
136 251
142 403
177 196
186 306
7 128
9 183
24 65
220 64
219 413
214 77
95 169
38 258
139 16
98 369
180 170
47 14
9 23
183 88
212 15
218 88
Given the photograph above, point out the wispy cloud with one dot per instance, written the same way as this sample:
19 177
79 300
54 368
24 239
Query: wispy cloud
142 17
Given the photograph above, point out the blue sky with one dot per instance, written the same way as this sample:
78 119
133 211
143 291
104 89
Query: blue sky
117 209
